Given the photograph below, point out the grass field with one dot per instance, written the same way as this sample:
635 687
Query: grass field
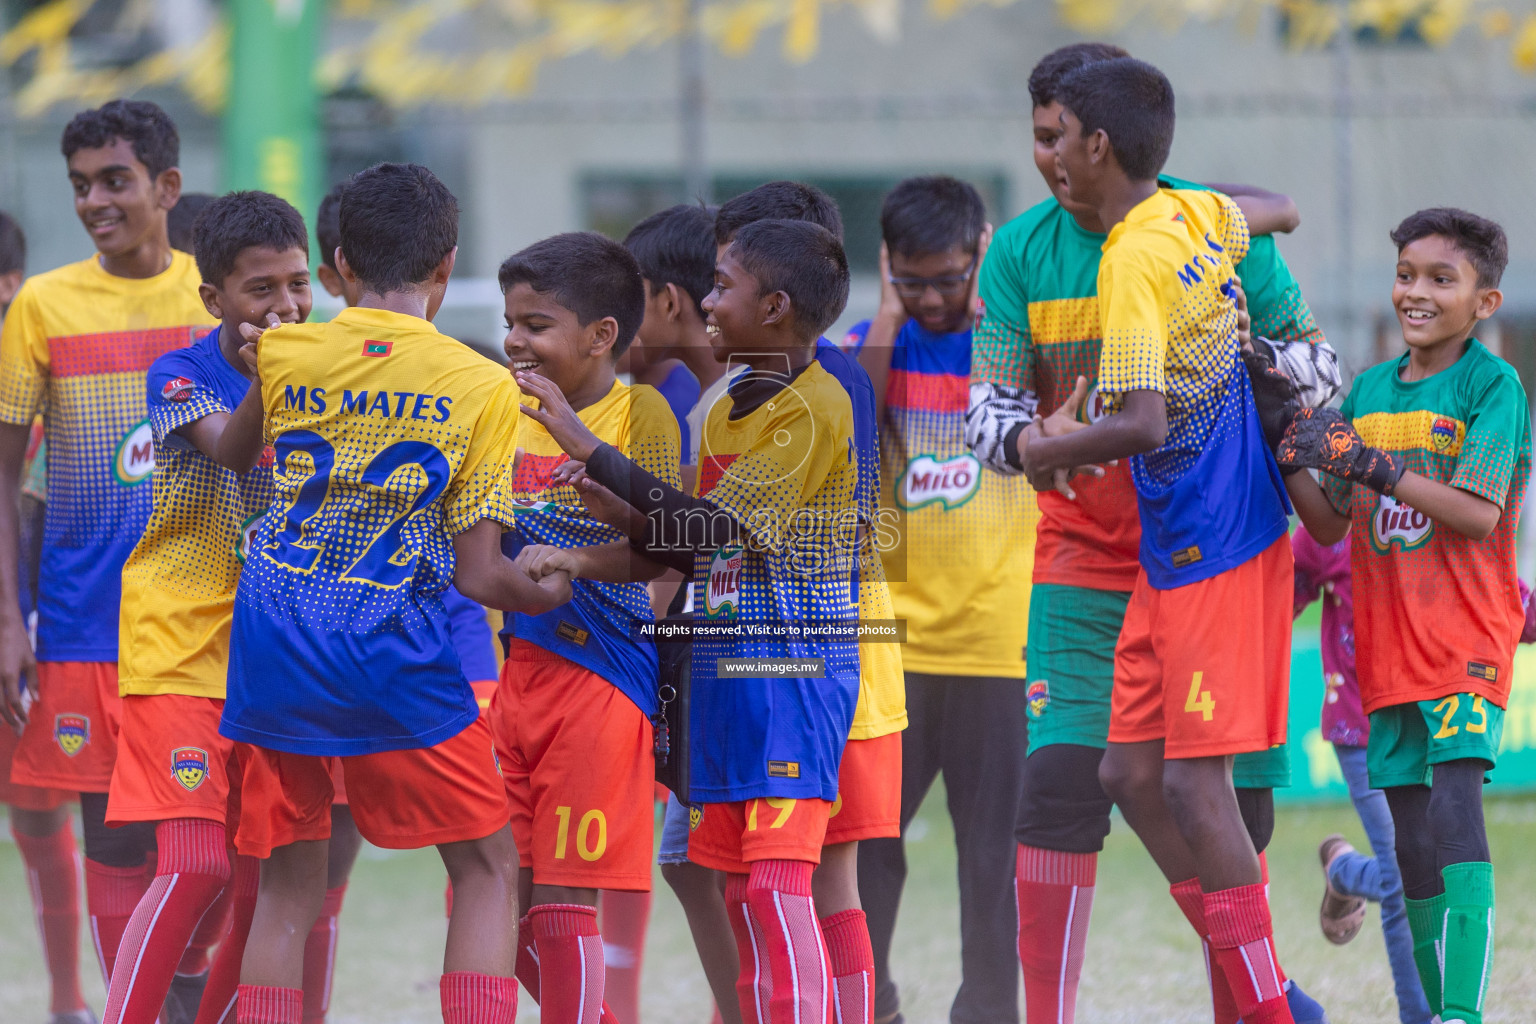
1143 964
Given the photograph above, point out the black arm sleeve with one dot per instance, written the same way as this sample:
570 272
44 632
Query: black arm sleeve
680 526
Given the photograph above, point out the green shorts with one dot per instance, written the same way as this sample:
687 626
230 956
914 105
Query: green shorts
1071 668
1262 769
1407 740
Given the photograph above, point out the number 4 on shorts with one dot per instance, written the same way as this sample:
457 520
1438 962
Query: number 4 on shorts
1200 701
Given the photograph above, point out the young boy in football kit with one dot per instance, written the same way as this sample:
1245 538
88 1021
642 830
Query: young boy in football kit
391 440
173 769
572 712
1426 466
76 345
761 535
1190 690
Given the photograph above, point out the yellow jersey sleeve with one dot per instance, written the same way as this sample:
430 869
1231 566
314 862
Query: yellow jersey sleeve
1131 308
23 359
482 486
1234 229
651 438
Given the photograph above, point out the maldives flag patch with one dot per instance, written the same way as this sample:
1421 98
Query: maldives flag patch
377 348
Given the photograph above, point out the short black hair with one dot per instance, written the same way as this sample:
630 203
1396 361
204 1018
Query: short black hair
13 245
1132 102
778 200
1480 240
589 274
931 215
328 225
398 222
1061 62
804 261
178 223
238 221
144 124
677 246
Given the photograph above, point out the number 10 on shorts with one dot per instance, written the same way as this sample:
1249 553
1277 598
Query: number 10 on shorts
591 834
1200 701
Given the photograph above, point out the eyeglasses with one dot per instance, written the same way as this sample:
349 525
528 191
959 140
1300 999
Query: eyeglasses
949 285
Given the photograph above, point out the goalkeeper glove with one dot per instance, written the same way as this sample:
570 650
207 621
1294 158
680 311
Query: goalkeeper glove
1323 439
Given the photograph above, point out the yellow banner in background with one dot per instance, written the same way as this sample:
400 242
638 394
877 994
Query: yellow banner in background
469 53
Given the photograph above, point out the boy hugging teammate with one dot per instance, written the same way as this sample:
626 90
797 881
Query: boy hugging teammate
391 444
572 713
211 481
1190 689
777 496
1039 336
1426 465
77 343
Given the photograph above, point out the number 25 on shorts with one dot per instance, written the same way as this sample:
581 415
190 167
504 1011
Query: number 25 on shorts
1199 701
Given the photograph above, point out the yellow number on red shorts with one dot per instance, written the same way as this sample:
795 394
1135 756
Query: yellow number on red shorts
1451 703
1481 725
1200 700
586 848
783 804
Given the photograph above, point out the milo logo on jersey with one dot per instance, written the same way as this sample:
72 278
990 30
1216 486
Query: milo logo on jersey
135 458
1396 526
929 479
722 592
247 537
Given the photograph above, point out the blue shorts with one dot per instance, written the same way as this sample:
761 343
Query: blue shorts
674 834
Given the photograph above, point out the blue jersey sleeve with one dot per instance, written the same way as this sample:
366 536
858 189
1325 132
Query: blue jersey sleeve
177 392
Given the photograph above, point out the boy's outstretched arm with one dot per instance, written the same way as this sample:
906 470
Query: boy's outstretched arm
1323 439
1267 213
1317 513
1140 426
233 440
482 573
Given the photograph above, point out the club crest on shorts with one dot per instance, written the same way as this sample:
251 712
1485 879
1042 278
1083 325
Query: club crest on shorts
190 766
1037 697
72 733
695 818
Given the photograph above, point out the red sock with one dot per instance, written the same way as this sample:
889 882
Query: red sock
623 917
1055 896
1242 942
53 875
852 962
471 998
267 1004
787 938
570 952
209 931
1191 900
527 958
224 976
1264 875
320 957
111 894
193 868
754 982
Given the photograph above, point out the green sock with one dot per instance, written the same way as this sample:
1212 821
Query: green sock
1468 939
1426 920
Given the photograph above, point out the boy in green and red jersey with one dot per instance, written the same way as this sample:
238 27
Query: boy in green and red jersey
1040 335
1428 461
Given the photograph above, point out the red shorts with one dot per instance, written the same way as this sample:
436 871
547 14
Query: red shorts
729 837
578 759
26 798
868 804
483 691
1206 667
71 736
406 799
172 762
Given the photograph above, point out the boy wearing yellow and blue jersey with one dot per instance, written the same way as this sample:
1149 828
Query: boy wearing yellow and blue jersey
76 345
771 538
391 444
1190 691
572 712
212 482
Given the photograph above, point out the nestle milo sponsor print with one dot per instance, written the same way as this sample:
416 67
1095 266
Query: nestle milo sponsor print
135 458
1400 526
722 597
929 479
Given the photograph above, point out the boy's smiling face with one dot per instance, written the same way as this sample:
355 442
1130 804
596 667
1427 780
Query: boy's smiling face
1048 134
546 338
262 281
1436 294
116 198
733 312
